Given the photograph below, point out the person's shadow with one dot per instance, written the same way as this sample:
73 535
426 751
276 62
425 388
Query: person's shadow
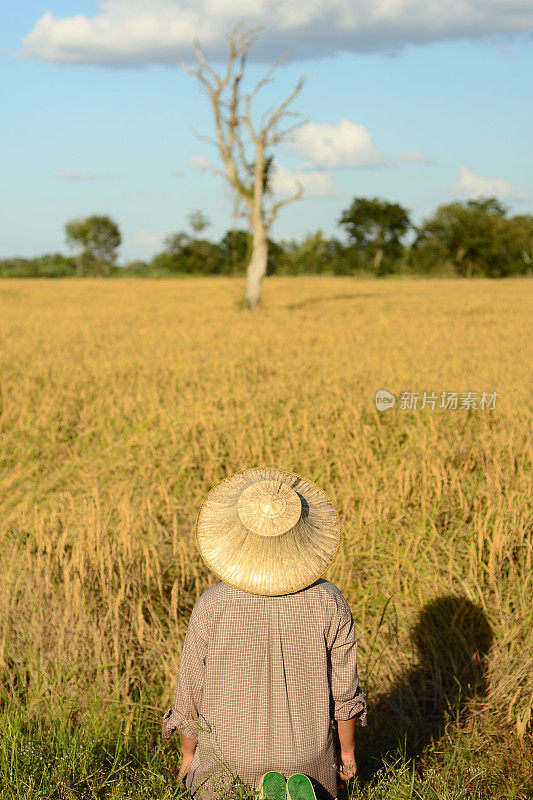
452 638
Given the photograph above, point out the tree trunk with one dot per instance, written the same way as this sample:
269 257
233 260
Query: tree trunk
234 255
257 266
378 258
459 258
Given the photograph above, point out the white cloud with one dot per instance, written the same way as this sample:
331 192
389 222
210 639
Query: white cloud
414 157
471 185
199 162
314 183
346 144
133 32
72 175
177 172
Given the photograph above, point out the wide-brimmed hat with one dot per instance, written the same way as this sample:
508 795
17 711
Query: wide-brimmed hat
267 531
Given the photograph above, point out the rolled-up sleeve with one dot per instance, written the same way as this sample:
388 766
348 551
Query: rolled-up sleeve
184 716
347 697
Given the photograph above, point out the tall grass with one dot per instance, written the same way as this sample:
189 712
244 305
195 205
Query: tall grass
123 403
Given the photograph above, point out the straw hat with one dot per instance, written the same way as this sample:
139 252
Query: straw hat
267 531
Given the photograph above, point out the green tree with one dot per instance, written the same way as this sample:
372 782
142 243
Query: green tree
236 246
97 238
198 221
376 227
55 265
275 255
184 254
176 243
314 255
519 243
19 268
471 236
137 267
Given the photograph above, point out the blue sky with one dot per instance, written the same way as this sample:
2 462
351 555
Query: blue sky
401 103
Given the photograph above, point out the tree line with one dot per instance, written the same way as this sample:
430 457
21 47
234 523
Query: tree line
468 239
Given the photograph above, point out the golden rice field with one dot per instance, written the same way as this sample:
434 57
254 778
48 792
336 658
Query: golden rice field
124 401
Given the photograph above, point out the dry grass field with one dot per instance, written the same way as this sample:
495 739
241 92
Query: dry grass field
122 402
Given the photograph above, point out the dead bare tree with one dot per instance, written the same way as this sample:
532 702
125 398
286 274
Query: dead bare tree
248 180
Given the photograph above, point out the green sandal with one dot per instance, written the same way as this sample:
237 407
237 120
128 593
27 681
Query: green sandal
272 786
299 787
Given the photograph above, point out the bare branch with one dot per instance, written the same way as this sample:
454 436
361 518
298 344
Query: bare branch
202 59
196 73
261 83
233 52
214 96
283 113
263 115
248 120
281 109
234 118
267 79
276 207
290 114
245 40
242 153
204 137
284 135
216 171
236 181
